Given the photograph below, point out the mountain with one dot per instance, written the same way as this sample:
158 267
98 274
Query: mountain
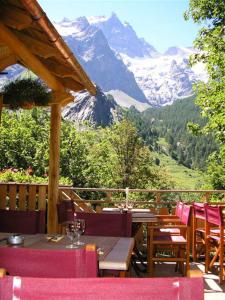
100 62
117 60
98 110
164 130
122 37
126 101
166 78
163 78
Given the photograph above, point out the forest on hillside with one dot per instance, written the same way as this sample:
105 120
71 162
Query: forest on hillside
112 157
170 123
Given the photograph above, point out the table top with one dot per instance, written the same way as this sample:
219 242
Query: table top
115 252
139 215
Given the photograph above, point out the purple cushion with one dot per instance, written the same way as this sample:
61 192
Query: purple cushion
102 288
106 224
49 263
18 221
65 211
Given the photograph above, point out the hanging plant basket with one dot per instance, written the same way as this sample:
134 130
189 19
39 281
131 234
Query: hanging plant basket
25 93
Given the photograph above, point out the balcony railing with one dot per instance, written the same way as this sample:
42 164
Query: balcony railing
25 196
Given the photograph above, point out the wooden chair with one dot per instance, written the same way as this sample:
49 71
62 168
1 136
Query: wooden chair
198 229
101 288
49 263
171 219
20 221
215 216
178 245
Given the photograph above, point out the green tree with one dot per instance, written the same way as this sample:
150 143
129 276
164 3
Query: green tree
211 95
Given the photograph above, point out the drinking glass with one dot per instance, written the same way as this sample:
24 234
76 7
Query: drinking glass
71 234
130 205
79 225
121 206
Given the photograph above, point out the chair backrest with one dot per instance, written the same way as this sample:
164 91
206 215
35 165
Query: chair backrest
26 222
107 224
101 288
49 263
199 210
186 215
214 215
65 211
179 209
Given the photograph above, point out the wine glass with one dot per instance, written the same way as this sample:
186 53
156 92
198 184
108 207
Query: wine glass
121 206
71 234
130 205
79 225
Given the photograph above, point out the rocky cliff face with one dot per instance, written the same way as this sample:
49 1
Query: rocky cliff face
122 37
98 110
101 63
117 60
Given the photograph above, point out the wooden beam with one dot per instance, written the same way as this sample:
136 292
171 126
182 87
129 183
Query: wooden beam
15 17
37 47
7 61
1 106
60 70
30 60
61 98
72 85
54 157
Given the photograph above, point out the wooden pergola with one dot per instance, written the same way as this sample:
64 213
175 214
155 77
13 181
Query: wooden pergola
28 38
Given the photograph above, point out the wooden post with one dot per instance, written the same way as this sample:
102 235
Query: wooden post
1 105
54 157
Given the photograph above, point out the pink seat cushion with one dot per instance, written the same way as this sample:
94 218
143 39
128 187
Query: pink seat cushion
170 238
214 215
170 230
102 288
18 221
107 224
49 263
199 210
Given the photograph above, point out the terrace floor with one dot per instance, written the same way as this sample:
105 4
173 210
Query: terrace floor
212 289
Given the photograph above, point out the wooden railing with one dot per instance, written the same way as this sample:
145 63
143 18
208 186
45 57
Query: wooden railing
23 196
161 201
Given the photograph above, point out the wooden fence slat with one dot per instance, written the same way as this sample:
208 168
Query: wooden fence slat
32 197
42 194
12 196
3 194
22 197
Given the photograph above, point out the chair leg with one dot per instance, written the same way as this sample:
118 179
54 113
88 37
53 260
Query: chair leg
221 261
207 245
150 253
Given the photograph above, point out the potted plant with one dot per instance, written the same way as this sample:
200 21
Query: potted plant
25 93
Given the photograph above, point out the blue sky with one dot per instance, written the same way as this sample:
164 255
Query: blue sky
160 22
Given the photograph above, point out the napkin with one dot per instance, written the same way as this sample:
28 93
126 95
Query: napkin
54 239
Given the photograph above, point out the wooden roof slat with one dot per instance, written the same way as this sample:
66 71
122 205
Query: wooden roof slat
15 17
37 47
30 60
72 85
7 61
27 37
60 70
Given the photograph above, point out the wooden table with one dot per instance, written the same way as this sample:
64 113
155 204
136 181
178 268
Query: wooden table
116 251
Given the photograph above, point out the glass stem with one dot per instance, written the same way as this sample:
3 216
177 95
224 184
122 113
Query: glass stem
78 238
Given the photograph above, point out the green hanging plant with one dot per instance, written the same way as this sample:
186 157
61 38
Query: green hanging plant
25 93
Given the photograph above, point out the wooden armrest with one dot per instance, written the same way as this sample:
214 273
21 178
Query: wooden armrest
166 226
176 221
195 273
2 272
167 216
